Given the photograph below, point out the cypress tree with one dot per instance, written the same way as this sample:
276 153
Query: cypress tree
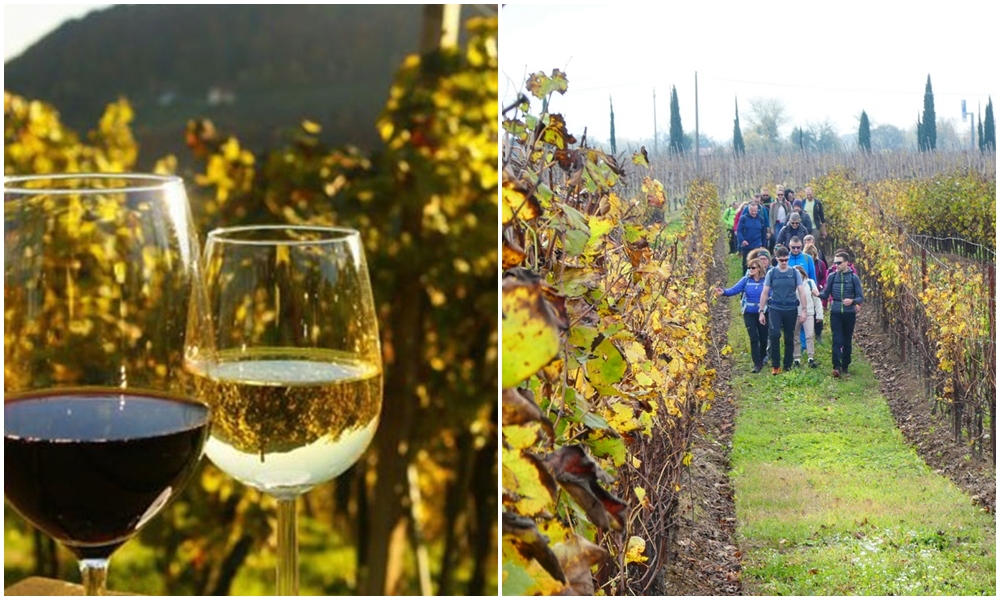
920 134
739 148
614 147
982 142
929 134
676 131
990 128
865 133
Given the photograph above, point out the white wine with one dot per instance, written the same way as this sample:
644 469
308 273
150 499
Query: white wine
286 420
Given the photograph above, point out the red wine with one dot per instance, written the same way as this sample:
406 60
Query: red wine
90 467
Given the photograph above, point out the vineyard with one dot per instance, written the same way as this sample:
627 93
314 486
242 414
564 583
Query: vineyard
418 513
610 360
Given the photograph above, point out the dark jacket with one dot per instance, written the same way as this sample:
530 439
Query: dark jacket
840 286
788 233
752 230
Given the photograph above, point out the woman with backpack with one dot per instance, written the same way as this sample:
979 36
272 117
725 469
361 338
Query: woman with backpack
751 286
813 305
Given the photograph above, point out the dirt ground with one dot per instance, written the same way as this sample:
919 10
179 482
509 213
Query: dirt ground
707 562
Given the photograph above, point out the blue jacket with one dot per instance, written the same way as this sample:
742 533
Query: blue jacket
807 263
751 229
751 293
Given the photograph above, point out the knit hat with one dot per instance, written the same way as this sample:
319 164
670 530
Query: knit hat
798 203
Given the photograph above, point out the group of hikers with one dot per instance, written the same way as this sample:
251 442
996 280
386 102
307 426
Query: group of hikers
788 284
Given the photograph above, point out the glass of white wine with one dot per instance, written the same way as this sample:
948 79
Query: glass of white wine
288 359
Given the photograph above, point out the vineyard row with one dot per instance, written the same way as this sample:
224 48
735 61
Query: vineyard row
941 312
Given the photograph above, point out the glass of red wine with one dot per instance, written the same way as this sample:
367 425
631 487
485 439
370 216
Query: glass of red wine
99 430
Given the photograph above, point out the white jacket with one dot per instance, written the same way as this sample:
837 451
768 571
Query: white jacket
814 306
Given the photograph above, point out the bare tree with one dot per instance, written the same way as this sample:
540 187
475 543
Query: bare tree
767 115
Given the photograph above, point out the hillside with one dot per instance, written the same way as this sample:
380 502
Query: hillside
255 70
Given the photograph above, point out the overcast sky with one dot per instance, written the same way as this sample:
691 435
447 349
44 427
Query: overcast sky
25 24
822 60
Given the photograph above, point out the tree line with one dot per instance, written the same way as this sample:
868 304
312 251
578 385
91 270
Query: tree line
768 115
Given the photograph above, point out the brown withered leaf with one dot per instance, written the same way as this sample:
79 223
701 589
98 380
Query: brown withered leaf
531 543
541 85
580 476
513 253
577 555
519 408
556 134
519 202
570 160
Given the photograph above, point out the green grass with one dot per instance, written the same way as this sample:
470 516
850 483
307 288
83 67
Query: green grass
829 498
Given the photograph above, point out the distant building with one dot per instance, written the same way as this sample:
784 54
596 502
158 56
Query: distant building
218 95
166 98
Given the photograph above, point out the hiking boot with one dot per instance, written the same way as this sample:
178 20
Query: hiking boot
775 370
756 369
836 372
797 364
844 372
812 364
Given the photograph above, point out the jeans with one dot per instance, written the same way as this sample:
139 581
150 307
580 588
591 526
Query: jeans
842 330
782 322
758 337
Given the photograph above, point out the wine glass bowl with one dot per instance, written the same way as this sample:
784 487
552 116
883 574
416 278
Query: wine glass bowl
99 431
288 357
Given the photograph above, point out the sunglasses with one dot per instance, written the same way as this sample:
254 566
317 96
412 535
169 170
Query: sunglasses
782 260
753 268
795 247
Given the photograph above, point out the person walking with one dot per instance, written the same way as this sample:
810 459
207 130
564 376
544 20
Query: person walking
751 286
783 300
811 249
807 327
750 231
804 216
793 229
814 208
780 209
844 287
797 257
811 239
729 224
765 204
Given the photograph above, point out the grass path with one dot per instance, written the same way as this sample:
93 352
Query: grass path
829 498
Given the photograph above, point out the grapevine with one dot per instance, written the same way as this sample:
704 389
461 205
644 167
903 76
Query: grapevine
605 335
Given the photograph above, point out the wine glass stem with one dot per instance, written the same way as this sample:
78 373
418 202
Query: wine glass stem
288 548
94 572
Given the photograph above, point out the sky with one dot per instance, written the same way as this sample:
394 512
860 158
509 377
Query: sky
820 63
821 60
25 24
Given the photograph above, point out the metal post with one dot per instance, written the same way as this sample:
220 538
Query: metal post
655 149
697 145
